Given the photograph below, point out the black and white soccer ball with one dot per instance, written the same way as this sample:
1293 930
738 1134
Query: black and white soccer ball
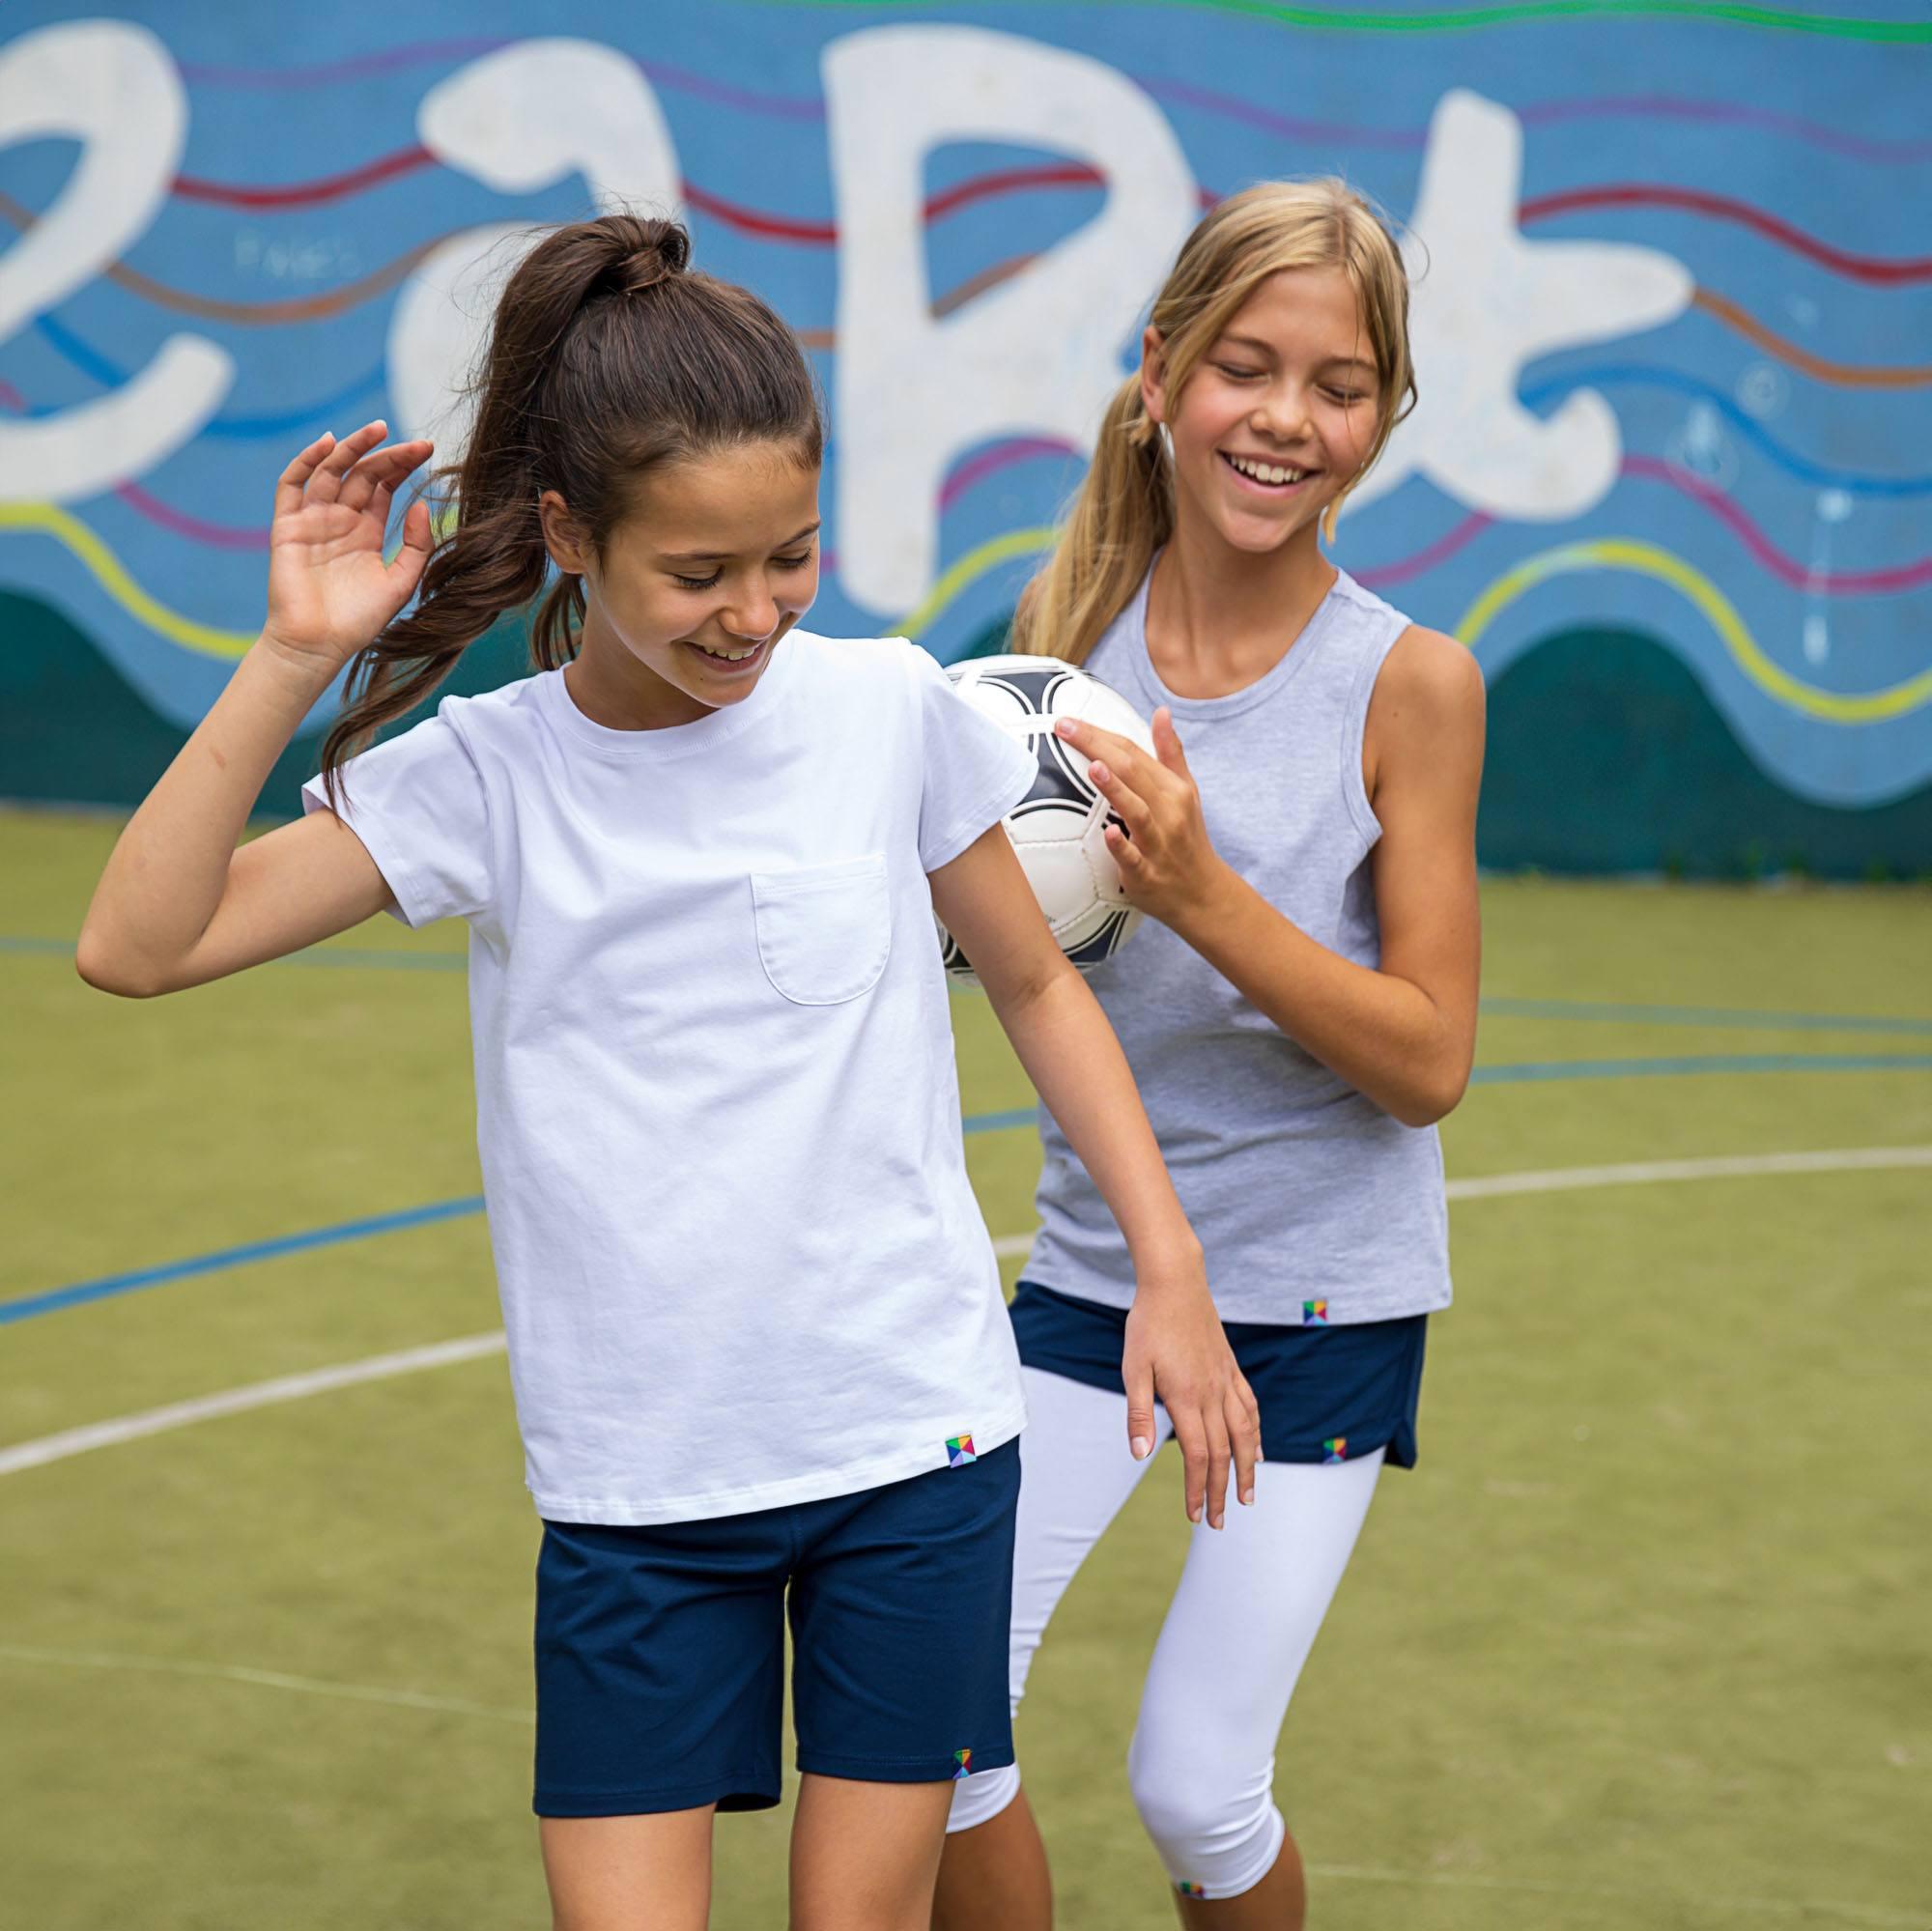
1058 828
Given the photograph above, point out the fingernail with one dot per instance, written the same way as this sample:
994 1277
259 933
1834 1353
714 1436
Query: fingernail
1100 773
1141 1446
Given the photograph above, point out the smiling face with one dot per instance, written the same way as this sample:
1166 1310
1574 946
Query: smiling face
1277 416
715 561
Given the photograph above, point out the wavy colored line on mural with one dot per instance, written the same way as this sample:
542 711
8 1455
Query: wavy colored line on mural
968 570
218 536
1644 469
1726 208
811 107
1639 376
238 428
1470 19
248 314
358 66
310 193
1843 375
1541 114
1787 569
69 530
1648 559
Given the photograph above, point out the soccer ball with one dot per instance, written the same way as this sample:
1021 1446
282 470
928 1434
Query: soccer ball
1058 828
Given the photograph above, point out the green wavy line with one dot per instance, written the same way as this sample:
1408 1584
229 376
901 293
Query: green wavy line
1918 32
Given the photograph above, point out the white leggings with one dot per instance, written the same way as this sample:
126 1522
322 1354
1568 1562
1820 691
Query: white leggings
1243 1619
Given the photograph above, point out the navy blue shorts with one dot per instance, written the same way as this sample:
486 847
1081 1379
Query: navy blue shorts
660 1651
1326 1394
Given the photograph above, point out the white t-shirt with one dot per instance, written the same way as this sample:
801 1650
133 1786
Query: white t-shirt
740 1261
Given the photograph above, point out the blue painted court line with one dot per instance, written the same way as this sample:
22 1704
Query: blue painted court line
108 1285
1709 1062
1748 1017
26 1306
29 1305
369 959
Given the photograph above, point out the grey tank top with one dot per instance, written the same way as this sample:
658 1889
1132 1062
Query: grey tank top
1313 1205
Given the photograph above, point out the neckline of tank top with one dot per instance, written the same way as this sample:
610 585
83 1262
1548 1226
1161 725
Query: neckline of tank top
1272 681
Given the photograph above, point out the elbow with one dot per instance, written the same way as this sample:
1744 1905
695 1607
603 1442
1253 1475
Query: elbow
1432 1101
99 965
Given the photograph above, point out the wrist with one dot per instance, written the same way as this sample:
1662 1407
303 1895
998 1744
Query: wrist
1210 904
308 671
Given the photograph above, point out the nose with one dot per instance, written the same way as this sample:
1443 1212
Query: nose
752 615
1282 413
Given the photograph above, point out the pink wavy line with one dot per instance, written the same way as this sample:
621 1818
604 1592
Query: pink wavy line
801 108
1831 583
357 67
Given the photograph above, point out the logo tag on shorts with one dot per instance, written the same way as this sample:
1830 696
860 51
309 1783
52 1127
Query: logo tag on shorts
959 1451
962 1763
1336 1450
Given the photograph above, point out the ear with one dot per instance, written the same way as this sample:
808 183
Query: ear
1154 374
568 548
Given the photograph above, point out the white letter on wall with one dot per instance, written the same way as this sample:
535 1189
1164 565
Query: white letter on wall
112 87
517 120
1037 356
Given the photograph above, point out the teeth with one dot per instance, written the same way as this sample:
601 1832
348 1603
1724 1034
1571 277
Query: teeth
731 656
1267 472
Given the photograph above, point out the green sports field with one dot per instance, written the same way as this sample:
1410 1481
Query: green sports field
1642 1642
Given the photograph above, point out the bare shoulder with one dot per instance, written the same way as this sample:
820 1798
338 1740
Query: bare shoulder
1432 675
1425 714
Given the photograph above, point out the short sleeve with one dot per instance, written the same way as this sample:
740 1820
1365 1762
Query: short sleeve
418 804
974 773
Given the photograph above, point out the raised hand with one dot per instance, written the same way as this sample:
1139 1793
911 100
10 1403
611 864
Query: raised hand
1168 862
329 590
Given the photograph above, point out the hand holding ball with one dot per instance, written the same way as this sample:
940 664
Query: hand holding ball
1058 828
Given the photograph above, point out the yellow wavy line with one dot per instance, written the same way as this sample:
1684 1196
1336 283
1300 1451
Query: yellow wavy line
1648 560
107 569
973 565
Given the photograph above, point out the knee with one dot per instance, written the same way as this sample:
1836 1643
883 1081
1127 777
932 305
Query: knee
1213 1823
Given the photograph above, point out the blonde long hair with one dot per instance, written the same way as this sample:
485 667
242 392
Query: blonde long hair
1124 509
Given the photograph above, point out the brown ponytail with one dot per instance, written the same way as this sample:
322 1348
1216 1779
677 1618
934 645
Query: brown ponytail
607 357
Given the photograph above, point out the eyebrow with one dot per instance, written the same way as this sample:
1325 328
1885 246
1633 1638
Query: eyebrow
716 556
1262 347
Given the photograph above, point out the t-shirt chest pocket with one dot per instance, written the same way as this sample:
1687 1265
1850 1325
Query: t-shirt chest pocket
824 930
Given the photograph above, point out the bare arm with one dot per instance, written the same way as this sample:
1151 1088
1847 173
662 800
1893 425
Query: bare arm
1176 1344
179 904
1403 1033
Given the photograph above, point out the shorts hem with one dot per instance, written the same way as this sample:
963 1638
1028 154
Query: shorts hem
747 1792
900 1769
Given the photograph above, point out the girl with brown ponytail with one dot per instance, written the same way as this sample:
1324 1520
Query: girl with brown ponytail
1299 1011
761 1366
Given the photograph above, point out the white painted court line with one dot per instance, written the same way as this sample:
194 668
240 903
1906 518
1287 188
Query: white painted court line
1905 1918
237 1401
444 1353
264 1679
1562 1180
1742 1166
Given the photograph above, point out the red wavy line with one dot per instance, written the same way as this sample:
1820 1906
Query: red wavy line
1722 208
308 194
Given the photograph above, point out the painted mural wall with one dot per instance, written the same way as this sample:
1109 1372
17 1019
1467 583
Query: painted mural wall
1670 477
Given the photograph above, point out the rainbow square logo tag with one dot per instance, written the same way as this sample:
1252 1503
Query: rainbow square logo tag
1336 1450
1314 1314
959 1451
962 1763
1187 1888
